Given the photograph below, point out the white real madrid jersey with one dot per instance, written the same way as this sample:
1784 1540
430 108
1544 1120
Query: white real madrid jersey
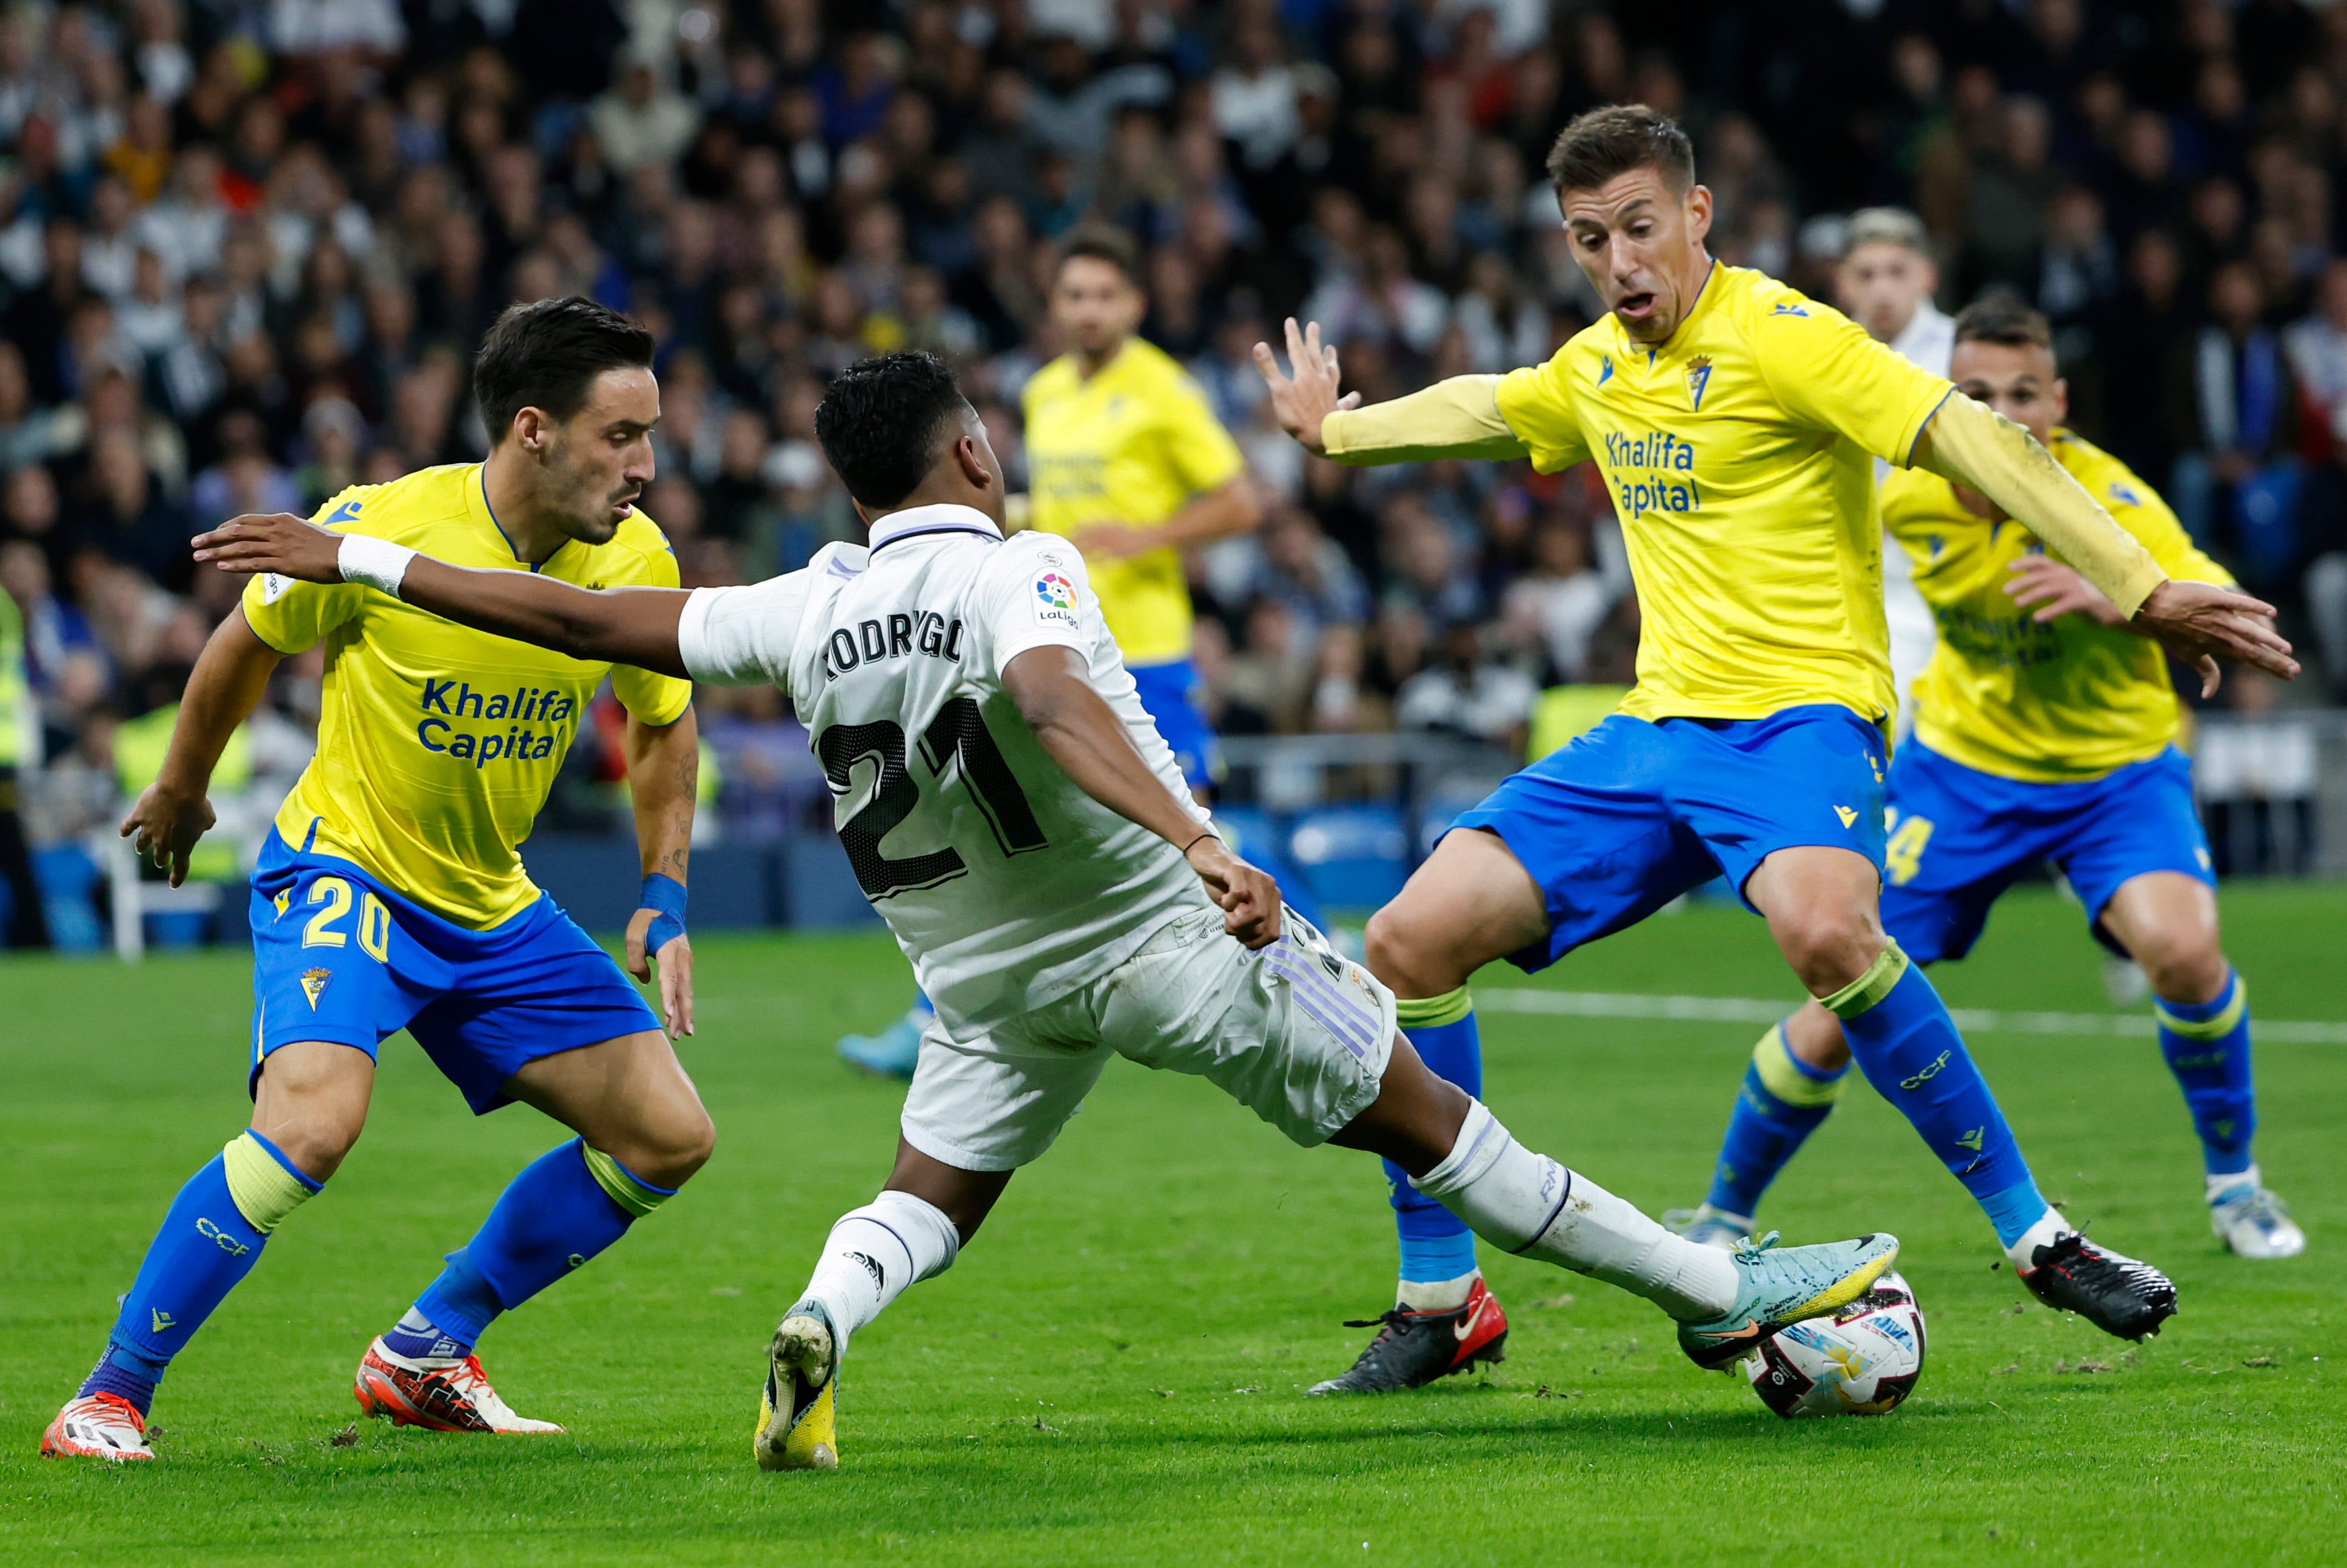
1006 885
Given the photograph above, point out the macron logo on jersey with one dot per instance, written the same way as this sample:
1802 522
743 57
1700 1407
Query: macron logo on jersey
1055 601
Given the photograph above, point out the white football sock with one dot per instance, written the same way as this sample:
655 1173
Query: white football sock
1534 1207
1436 1295
2024 1250
874 1253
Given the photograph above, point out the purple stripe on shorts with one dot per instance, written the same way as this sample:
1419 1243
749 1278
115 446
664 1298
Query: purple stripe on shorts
1321 1000
1365 1018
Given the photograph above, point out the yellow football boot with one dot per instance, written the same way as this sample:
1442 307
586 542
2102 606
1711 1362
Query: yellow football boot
798 1414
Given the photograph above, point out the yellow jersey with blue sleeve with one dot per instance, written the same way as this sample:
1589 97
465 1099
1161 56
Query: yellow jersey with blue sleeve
1740 456
2051 703
437 743
1129 445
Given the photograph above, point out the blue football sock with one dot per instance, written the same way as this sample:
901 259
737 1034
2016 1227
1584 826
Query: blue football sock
1782 1102
1435 1243
565 1208
208 1242
2207 1048
1904 1042
923 1008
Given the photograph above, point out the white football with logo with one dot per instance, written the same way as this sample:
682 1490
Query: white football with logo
1863 1361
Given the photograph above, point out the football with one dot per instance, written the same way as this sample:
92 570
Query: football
1863 1360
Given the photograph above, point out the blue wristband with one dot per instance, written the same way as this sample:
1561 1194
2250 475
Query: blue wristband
664 896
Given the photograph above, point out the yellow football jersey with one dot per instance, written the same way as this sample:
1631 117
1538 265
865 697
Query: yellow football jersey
2048 704
436 744
1740 456
1132 445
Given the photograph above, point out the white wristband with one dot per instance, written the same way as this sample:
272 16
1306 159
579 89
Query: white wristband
373 563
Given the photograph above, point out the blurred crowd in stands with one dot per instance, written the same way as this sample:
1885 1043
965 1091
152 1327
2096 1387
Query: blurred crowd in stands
247 246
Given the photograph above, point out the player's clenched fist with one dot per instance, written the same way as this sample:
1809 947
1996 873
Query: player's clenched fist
1248 898
273 542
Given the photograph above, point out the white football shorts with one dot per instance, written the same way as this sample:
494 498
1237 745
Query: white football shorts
1294 1032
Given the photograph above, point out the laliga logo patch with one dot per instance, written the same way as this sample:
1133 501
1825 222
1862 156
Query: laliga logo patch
314 982
1055 600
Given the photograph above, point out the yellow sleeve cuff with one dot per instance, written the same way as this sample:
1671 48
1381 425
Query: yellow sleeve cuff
1974 446
1455 418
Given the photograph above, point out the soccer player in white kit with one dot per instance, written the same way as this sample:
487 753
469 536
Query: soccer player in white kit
1012 811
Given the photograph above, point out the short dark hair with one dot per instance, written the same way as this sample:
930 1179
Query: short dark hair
1101 243
547 355
879 422
2007 320
1610 142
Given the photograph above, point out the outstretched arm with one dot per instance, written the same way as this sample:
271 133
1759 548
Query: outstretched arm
1085 736
1455 418
618 626
1965 442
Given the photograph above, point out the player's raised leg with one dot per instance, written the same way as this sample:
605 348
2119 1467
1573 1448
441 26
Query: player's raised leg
1471 902
310 1102
1820 904
2169 922
642 1134
1532 1206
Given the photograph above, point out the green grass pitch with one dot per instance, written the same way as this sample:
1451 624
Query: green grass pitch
1113 1371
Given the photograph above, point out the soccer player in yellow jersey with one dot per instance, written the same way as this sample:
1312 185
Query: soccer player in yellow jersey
2045 730
1125 460
389 894
1735 422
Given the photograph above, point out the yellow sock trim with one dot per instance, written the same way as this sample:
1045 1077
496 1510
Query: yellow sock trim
1431 1012
1871 987
627 1191
1782 1077
265 1192
2217 1027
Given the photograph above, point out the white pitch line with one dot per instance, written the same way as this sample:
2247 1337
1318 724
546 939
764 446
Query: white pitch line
1972 1020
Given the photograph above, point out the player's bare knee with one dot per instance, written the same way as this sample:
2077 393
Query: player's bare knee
668 1151
1829 946
2183 966
316 1138
1414 960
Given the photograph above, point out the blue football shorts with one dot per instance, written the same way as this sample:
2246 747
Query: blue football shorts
338 956
1634 812
1171 692
1959 837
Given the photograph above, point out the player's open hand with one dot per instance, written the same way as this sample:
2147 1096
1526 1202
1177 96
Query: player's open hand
2056 591
167 824
675 962
1248 898
2200 620
1308 395
273 542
